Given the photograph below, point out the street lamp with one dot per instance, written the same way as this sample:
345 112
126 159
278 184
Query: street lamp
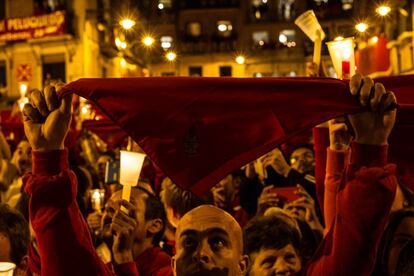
171 56
148 41
240 59
383 10
361 27
127 23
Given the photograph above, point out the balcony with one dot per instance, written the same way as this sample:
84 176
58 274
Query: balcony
208 4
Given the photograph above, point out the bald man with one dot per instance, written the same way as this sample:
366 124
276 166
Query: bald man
209 242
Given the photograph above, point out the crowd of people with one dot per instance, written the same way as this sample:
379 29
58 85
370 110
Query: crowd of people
329 204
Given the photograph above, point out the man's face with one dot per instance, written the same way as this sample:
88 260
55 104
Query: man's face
102 160
4 248
296 211
209 242
403 234
275 262
138 198
302 160
22 157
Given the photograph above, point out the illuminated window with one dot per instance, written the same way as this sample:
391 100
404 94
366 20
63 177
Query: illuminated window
224 28
166 42
164 4
53 68
260 38
259 8
347 4
287 9
287 38
194 29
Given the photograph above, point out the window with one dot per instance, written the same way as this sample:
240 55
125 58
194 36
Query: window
194 29
260 38
259 8
164 4
166 42
195 71
2 9
225 71
347 4
287 38
224 28
287 10
54 68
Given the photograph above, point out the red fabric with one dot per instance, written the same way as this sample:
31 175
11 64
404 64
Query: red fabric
321 143
105 129
154 262
62 235
197 130
363 204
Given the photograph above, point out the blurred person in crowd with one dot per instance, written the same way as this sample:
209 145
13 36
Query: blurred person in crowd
226 195
405 266
177 202
398 233
209 242
304 209
14 238
273 246
22 161
146 222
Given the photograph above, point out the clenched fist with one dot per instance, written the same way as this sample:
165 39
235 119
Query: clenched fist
46 118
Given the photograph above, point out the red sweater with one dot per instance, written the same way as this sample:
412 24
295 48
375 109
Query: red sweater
363 203
62 235
154 262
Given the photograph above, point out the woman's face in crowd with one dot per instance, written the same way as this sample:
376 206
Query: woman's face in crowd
302 160
403 234
22 157
271 261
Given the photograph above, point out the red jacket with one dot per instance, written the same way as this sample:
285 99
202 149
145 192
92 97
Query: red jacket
361 207
62 235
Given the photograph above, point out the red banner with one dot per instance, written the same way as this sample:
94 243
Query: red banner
23 28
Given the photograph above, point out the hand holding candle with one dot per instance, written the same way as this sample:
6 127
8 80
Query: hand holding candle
309 24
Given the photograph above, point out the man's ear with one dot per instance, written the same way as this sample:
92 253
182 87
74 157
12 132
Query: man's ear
244 264
154 226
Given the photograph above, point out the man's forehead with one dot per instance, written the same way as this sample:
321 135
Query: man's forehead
208 218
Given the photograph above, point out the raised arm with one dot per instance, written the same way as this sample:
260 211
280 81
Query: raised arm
364 200
63 238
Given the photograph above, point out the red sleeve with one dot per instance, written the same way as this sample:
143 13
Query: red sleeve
363 206
165 271
127 269
336 164
321 143
63 238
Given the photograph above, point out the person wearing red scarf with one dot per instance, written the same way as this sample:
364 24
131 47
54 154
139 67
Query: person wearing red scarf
62 235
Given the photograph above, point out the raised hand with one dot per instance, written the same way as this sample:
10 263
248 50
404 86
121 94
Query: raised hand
124 226
372 127
47 119
339 136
